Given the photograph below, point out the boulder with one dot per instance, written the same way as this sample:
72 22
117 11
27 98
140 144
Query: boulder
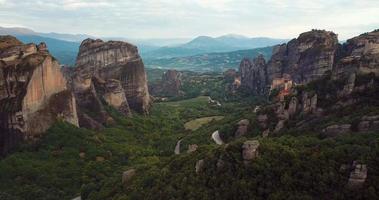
279 126
292 107
127 176
243 126
199 166
262 120
192 148
100 158
357 176
266 133
250 150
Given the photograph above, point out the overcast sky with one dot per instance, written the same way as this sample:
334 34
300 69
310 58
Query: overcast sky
191 18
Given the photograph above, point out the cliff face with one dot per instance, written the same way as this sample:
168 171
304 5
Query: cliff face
359 55
254 75
169 85
33 92
305 58
311 56
112 72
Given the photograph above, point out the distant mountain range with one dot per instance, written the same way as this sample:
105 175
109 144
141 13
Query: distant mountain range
65 46
60 36
205 44
208 61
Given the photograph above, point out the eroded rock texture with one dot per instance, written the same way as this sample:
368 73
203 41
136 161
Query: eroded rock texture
305 58
359 55
33 92
311 56
112 73
254 75
169 85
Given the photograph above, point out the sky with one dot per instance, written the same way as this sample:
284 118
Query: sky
191 18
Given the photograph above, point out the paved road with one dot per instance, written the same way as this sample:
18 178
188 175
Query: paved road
216 137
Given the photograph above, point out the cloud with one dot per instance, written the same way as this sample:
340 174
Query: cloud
77 4
190 18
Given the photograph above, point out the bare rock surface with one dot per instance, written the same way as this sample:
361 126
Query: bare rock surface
113 72
169 85
254 75
128 175
357 176
33 92
243 126
250 150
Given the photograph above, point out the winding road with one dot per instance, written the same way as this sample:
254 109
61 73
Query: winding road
216 137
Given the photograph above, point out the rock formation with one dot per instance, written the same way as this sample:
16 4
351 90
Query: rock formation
250 150
233 80
242 129
369 123
199 166
357 176
254 75
337 129
312 55
33 92
112 73
127 176
359 55
169 86
192 148
305 58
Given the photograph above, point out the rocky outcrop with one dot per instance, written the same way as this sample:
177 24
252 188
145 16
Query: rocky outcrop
359 55
169 85
250 150
112 73
33 92
305 58
199 166
254 75
337 129
369 123
192 148
311 56
177 147
127 176
242 129
233 80
357 176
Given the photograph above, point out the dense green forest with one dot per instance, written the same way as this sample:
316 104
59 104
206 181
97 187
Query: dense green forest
295 164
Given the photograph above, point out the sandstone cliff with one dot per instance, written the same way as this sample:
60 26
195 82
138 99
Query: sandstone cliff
305 58
311 56
359 55
110 72
254 75
169 85
33 92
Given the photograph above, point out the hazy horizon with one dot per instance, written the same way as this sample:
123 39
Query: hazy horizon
164 19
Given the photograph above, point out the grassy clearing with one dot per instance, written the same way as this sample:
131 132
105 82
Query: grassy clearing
197 123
